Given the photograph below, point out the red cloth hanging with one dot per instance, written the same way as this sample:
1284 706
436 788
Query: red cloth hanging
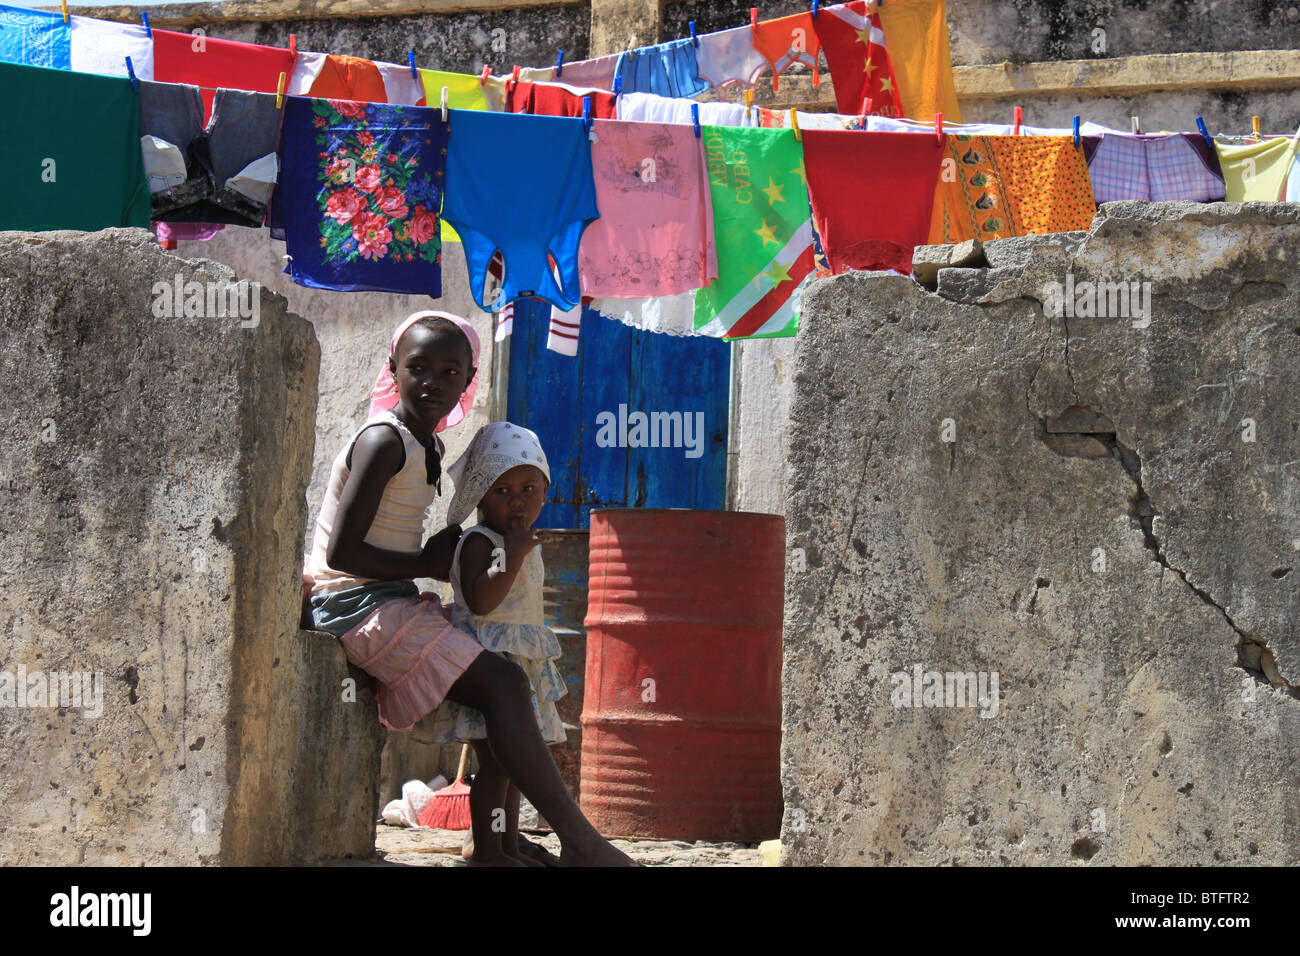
211 63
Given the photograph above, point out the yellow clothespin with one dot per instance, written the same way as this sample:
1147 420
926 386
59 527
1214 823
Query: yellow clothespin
1254 126
794 125
65 10
749 103
279 92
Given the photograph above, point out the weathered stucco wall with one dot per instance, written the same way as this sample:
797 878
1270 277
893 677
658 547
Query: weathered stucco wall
151 519
1104 512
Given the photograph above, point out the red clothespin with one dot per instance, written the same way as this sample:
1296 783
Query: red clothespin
293 45
753 18
1015 126
514 74
482 80
866 109
938 127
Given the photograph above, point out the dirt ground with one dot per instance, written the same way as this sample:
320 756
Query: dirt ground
400 846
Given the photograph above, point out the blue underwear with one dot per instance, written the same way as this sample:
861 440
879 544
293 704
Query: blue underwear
666 69
524 185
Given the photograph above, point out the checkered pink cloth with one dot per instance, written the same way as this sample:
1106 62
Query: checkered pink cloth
1157 168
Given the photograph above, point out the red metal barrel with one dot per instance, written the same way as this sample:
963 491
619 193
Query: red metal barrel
681 722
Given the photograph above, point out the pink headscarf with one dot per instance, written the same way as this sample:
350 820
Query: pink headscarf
385 395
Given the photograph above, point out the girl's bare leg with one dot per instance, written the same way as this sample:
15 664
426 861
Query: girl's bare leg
487 804
500 690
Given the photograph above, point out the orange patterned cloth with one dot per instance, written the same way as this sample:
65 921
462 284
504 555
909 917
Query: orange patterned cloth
991 187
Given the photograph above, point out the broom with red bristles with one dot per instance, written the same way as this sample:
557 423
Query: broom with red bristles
448 809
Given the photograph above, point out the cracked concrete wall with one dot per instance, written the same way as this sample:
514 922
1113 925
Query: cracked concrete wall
1091 507
151 518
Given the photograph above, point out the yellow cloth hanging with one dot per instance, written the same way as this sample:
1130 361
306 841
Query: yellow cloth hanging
916 36
1257 171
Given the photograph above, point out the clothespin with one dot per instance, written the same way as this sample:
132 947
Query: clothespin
148 30
130 71
695 118
1137 127
814 9
444 104
279 92
410 58
65 10
794 125
694 39
1254 126
618 85
1205 133
749 104
559 64
866 109
482 80
1015 126
938 127
514 74
1076 132
293 45
586 113
753 18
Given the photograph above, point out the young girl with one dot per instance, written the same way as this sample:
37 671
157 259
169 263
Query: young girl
496 577
367 550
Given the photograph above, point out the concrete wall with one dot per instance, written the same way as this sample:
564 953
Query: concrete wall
1098 510
151 516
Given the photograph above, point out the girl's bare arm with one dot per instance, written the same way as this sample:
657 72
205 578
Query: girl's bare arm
485 581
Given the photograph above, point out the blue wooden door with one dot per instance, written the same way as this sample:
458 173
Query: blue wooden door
604 456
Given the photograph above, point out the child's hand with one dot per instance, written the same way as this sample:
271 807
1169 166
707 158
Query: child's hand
520 538
438 552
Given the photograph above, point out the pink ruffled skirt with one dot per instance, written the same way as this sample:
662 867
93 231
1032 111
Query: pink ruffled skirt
411 647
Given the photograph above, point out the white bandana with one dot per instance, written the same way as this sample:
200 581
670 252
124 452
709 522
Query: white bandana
496 449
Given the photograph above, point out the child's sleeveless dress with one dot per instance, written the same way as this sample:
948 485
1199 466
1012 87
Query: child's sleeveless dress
515 630
387 628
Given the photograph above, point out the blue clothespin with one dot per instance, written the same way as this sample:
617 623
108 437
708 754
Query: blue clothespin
1205 133
410 58
130 70
695 118
148 30
694 38
586 113
618 85
1076 132
814 8
559 64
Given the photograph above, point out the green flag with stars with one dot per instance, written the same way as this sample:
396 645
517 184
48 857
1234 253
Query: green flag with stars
762 227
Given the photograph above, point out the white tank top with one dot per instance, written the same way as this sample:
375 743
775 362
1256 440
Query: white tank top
522 604
399 522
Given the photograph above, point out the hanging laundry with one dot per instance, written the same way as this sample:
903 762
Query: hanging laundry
596 73
854 45
464 92
329 76
1292 192
35 38
1257 171
668 315
210 63
872 195
886 124
223 172
360 203
786 41
652 108
916 33
780 119
1158 168
102 46
999 186
532 202
562 336
728 58
76 164
400 84
668 69
557 99
494 90
761 225
655 232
